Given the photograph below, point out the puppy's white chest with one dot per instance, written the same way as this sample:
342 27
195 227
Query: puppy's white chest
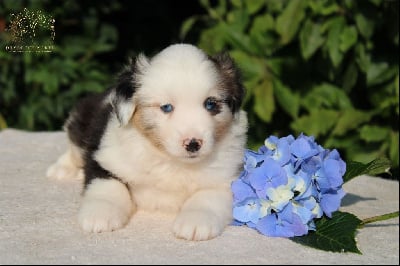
155 182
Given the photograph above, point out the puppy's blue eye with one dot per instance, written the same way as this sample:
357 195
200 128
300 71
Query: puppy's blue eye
210 104
167 108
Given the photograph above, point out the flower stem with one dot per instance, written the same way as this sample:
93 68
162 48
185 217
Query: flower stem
378 218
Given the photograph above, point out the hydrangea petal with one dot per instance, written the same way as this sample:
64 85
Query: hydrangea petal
304 213
265 207
267 225
300 148
332 172
241 191
248 211
330 201
334 154
272 225
279 197
252 160
269 174
271 142
282 152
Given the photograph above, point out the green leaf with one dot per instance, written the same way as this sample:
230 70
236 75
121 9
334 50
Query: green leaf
323 7
326 95
288 100
380 72
310 38
212 40
263 36
336 234
348 38
350 77
376 2
239 40
50 87
317 123
374 133
237 3
275 6
336 27
264 105
365 25
363 58
350 119
252 67
237 20
261 24
221 8
187 26
289 20
276 65
213 12
205 3
375 167
254 5
102 47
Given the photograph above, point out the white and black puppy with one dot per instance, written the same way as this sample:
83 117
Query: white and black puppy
169 136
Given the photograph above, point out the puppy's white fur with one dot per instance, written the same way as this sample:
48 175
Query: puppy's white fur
145 149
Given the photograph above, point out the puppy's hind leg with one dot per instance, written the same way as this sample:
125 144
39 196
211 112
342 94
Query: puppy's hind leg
68 166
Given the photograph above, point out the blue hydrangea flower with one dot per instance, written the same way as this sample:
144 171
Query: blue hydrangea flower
280 149
284 224
241 191
247 211
279 197
269 174
286 185
330 200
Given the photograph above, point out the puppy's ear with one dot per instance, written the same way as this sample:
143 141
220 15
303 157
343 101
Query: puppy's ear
122 99
231 80
142 63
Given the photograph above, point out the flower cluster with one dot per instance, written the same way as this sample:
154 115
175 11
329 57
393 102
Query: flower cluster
286 185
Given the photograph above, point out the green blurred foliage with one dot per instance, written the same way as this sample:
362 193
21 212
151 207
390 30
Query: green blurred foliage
93 40
38 89
328 68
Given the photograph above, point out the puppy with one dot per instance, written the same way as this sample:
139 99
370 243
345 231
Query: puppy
169 136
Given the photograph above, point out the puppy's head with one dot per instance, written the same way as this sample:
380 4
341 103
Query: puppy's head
182 100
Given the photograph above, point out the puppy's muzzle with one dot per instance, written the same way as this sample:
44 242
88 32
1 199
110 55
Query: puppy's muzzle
192 145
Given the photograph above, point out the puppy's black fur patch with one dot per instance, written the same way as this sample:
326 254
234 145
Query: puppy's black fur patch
89 118
231 80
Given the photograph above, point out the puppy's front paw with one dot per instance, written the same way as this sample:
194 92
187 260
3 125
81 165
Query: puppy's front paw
101 216
197 225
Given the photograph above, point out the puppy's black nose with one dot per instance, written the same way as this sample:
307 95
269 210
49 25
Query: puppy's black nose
193 144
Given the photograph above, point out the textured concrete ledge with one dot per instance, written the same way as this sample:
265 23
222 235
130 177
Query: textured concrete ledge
38 223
